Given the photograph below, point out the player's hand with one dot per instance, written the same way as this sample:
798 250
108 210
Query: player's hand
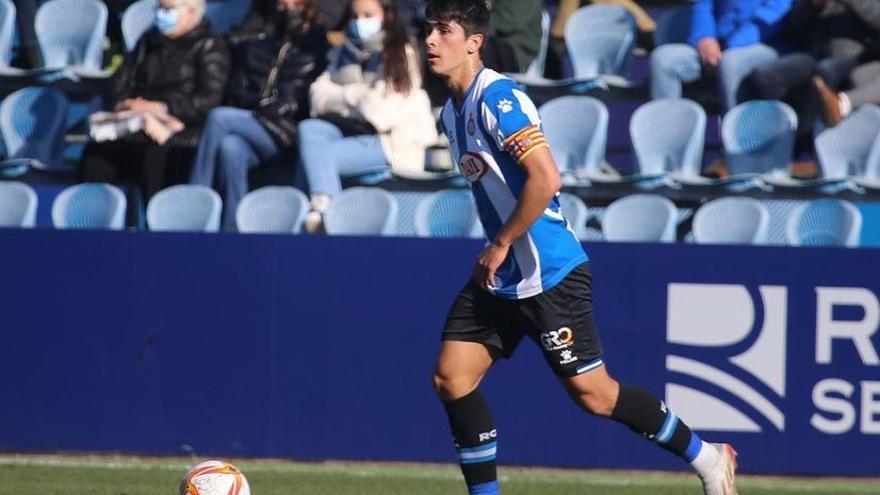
489 261
710 51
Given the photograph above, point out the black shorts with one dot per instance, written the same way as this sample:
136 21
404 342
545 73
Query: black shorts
559 320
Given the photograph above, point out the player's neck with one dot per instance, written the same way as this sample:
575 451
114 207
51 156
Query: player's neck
461 79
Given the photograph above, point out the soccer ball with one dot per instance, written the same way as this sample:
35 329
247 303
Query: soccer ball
214 478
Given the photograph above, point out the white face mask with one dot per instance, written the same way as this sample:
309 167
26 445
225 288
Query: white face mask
364 29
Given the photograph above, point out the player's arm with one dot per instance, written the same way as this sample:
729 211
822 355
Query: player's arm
542 183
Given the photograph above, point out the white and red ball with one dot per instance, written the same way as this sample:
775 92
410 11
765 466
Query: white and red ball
214 478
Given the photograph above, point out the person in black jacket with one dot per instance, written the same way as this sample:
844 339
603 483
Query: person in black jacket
179 68
268 94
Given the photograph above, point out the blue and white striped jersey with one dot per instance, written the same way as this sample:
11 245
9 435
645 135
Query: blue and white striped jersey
495 128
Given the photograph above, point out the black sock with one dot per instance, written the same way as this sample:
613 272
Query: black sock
647 415
474 435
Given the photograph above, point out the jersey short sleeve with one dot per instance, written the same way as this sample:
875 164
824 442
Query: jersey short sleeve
510 117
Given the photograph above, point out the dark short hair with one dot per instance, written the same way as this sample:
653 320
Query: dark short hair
472 15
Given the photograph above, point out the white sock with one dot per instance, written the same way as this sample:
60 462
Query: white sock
706 460
320 202
845 104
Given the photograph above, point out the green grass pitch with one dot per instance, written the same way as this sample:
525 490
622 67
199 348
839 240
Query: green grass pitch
126 475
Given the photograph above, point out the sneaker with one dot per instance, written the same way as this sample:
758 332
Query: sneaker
722 479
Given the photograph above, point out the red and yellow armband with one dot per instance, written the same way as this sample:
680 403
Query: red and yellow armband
527 140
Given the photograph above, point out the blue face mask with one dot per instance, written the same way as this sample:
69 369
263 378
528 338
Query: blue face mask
167 19
364 29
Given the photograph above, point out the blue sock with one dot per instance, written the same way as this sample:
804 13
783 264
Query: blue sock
490 488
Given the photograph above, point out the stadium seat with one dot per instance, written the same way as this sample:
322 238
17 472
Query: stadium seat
852 148
32 123
577 129
361 211
600 39
731 220
758 137
534 74
640 218
825 222
7 32
185 207
89 206
226 14
18 205
673 25
272 209
71 33
575 211
668 136
137 19
450 213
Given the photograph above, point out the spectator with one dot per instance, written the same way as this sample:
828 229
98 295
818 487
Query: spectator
514 35
728 37
371 111
833 34
268 94
178 71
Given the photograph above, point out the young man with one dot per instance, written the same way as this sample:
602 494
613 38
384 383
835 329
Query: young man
533 278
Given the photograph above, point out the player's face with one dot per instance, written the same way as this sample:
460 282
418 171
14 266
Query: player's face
448 46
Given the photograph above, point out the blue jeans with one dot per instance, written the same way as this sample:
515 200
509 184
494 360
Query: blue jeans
676 63
327 156
232 142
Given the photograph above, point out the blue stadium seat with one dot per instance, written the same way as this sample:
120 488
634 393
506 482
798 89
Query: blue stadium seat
575 211
137 19
272 209
71 33
89 206
7 31
361 211
825 222
640 218
731 220
450 213
226 14
18 205
758 137
668 136
851 148
32 123
185 207
600 39
673 25
577 129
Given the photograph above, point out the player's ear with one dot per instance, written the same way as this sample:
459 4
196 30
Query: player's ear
474 43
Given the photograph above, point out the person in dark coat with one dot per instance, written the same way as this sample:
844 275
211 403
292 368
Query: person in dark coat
268 96
179 70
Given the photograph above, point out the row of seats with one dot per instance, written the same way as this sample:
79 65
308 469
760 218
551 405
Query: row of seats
449 213
668 139
71 32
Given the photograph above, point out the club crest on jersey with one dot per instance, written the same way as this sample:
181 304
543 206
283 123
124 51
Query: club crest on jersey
505 105
471 127
472 166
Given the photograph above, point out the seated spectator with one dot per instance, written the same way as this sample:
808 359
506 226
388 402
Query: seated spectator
174 76
865 88
834 36
371 111
268 94
728 38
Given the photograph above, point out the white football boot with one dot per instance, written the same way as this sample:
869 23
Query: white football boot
721 480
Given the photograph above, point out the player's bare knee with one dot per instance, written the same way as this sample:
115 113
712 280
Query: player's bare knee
596 402
452 387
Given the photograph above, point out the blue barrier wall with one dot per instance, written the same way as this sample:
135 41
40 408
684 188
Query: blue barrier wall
317 348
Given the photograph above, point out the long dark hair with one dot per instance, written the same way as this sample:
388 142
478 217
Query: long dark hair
395 61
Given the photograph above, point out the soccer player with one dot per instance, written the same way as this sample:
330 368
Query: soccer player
533 278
